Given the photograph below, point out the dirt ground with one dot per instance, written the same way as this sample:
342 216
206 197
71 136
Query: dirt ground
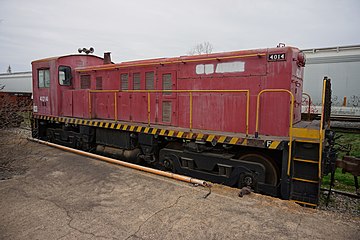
50 194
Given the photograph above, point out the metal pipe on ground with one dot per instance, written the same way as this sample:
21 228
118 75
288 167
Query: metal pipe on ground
126 164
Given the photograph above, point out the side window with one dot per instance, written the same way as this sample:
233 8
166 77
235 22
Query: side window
166 82
98 83
149 81
85 82
136 81
124 79
65 76
44 78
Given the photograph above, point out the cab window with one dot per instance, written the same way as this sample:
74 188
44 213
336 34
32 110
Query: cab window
65 76
44 78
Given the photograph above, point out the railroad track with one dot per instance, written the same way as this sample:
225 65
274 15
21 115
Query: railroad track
333 117
345 118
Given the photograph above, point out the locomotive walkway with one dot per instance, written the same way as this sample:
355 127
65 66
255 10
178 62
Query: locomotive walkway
67 196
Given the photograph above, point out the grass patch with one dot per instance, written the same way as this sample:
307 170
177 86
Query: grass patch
345 181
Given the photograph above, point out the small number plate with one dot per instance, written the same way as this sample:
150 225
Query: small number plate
277 57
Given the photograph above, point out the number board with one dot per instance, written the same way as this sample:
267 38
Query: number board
277 57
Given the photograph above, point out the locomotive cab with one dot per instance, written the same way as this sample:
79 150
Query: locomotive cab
52 77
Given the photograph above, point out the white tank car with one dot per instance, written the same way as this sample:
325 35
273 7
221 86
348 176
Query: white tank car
342 66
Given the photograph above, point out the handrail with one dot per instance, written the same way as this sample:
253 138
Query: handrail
310 101
291 119
175 91
322 125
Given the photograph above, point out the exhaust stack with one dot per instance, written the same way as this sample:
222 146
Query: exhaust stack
107 58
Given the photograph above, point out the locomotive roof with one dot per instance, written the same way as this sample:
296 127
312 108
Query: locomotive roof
181 59
64 56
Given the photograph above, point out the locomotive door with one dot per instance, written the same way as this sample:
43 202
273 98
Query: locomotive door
167 101
42 102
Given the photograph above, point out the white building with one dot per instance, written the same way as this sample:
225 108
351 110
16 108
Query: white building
16 83
342 66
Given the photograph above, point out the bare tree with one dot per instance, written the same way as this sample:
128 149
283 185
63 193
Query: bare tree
14 110
201 48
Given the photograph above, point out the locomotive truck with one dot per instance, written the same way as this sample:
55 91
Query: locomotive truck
232 118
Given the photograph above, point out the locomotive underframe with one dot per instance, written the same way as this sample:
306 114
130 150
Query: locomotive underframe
227 164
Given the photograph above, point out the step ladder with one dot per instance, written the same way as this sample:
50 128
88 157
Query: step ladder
305 171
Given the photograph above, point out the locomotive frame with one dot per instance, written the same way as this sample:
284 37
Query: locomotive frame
290 167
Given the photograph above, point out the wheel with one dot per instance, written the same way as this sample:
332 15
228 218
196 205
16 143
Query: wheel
271 171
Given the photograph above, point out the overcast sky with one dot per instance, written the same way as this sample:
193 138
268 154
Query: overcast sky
140 29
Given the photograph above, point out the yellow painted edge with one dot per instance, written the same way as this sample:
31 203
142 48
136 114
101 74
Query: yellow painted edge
305 133
210 138
199 136
305 180
180 134
234 140
274 145
221 139
306 203
154 131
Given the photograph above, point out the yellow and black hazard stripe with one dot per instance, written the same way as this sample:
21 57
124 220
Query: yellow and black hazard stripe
214 139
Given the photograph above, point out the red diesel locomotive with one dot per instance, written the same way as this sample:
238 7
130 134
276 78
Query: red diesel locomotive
232 118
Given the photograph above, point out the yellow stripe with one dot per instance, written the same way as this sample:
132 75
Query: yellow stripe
146 130
274 145
101 124
244 142
96 123
118 126
125 127
199 136
180 134
234 140
221 139
305 160
162 132
81 121
210 138
154 131
77 121
131 128
106 125
171 133
306 133
112 125
306 203
138 129
305 180
86 122
189 135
